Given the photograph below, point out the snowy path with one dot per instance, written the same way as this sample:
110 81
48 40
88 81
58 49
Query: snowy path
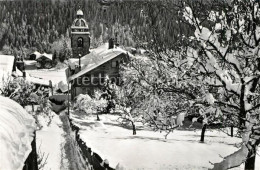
57 144
49 142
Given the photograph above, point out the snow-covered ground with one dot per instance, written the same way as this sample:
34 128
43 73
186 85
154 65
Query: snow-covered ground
150 150
49 142
16 134
58 146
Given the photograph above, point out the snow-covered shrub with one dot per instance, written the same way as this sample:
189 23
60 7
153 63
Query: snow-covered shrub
43 114
110 94
26 94
18 89
100 104
87 105
42 159
83 104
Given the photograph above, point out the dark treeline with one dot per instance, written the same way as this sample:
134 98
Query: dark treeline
31 25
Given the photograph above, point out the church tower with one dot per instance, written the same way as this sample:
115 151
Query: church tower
80 39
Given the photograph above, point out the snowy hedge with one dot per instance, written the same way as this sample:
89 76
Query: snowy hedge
16 134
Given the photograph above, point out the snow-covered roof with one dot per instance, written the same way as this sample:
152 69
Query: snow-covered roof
36 80
94 59
49 56
36 53
16 134
63 86
6 66
17 73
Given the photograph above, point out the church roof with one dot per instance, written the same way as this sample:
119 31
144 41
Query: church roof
94 59
79 23
80 12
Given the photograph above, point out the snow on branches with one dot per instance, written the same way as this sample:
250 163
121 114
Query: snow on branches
228 42
159 90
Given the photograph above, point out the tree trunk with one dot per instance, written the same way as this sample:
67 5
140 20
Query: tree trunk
134 130
232 131
203 133
98 119
250 162
242 114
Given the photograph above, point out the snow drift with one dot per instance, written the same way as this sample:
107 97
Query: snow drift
16 134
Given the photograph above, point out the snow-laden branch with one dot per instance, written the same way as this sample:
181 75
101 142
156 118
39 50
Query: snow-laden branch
233 160
228 104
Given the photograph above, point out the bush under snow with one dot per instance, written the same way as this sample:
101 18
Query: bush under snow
88 105
16 134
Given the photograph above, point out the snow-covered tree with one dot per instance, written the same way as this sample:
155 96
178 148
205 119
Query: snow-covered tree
227 50
26 94
159 91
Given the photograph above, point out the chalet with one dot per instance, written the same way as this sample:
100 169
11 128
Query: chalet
89 69
34 55
94 68
44 61
9 67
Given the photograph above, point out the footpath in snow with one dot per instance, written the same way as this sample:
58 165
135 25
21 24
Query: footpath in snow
57 144
150 150
49 142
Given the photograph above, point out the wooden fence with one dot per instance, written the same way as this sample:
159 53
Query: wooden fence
96 162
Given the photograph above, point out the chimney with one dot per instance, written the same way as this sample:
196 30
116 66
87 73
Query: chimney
23 70
111 43
116 40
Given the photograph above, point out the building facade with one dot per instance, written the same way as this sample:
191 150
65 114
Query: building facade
90 79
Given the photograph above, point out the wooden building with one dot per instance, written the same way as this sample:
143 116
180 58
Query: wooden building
88 70
94 68
34 55
44 61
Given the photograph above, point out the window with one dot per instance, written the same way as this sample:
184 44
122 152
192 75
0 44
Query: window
83 23
77 23
80 42
115 64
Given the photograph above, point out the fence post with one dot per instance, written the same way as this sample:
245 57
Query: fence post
50 82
